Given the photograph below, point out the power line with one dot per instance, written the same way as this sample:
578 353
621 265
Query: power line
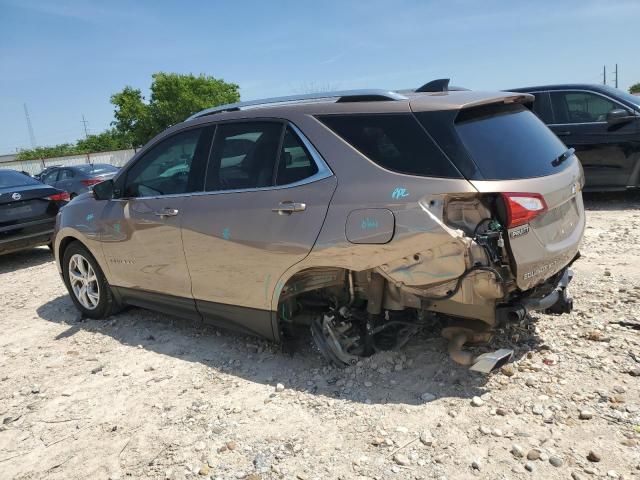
84 122
32 136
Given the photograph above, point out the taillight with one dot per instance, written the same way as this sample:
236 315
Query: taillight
523 207
60 197
90 182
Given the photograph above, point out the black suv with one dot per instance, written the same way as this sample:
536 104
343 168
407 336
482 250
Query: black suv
602 123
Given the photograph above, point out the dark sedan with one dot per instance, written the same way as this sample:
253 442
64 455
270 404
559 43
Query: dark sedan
78 179
28 211
601 123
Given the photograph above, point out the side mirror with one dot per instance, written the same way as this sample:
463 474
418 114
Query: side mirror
618 116
103 190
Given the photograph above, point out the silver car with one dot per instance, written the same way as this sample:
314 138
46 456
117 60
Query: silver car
360 215
77 179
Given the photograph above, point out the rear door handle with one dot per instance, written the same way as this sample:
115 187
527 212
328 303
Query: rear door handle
287 208
167 212
563 133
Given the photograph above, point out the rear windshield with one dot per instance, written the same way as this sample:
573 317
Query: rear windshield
396 142
98 168
11 178
504 142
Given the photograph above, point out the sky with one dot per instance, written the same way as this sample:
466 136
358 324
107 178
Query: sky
64 59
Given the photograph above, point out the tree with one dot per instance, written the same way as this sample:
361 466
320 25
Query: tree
174 97
102 142
635 88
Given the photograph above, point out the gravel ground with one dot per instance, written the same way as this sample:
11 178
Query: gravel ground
144 395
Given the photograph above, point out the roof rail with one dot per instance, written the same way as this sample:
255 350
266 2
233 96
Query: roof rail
367 95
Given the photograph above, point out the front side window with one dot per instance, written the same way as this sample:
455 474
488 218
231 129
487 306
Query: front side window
394 141
164 170
580 107
295 162
50 177
243 156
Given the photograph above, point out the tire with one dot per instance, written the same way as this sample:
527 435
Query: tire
86 283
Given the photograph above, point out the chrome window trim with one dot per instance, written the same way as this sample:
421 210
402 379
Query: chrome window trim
593 92
324 171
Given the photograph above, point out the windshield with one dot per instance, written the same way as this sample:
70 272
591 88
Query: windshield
615 92
12 179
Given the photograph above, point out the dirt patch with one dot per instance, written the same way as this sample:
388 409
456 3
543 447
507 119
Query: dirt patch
144 395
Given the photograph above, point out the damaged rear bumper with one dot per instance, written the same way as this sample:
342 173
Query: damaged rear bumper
556 302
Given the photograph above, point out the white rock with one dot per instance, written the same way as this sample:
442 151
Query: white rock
279 387
477 402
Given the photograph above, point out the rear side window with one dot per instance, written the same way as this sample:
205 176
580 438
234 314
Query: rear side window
396 142
295 162
509 142
542 107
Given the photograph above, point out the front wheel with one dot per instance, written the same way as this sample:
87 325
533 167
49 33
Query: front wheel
87 285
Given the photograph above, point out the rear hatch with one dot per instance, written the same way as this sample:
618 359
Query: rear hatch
533 181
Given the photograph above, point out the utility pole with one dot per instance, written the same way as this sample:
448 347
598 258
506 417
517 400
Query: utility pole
32 136
604 75
616 72
84 123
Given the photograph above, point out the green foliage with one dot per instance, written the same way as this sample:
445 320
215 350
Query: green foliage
174 97
102 142
47 152
635 88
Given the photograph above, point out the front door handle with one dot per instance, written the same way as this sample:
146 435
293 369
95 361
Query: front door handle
167 212
563 133
287 208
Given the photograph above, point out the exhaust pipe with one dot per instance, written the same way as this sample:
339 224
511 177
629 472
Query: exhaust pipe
485 363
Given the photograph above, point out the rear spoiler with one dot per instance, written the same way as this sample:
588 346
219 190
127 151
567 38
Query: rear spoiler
460 100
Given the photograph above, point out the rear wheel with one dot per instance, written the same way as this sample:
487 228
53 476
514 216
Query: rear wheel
87 285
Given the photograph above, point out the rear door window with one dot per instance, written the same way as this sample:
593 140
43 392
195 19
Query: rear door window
396 142
66 174
509 142
243 156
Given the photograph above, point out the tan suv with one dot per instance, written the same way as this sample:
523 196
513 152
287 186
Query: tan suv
362 215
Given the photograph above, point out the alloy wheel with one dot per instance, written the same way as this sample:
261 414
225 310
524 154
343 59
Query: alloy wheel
84 282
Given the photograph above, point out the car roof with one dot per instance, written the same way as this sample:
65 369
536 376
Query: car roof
560 86
340 102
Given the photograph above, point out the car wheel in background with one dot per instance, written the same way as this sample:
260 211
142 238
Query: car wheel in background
87 285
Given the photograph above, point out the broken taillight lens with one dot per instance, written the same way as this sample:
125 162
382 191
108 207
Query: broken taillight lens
523 207
59 197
